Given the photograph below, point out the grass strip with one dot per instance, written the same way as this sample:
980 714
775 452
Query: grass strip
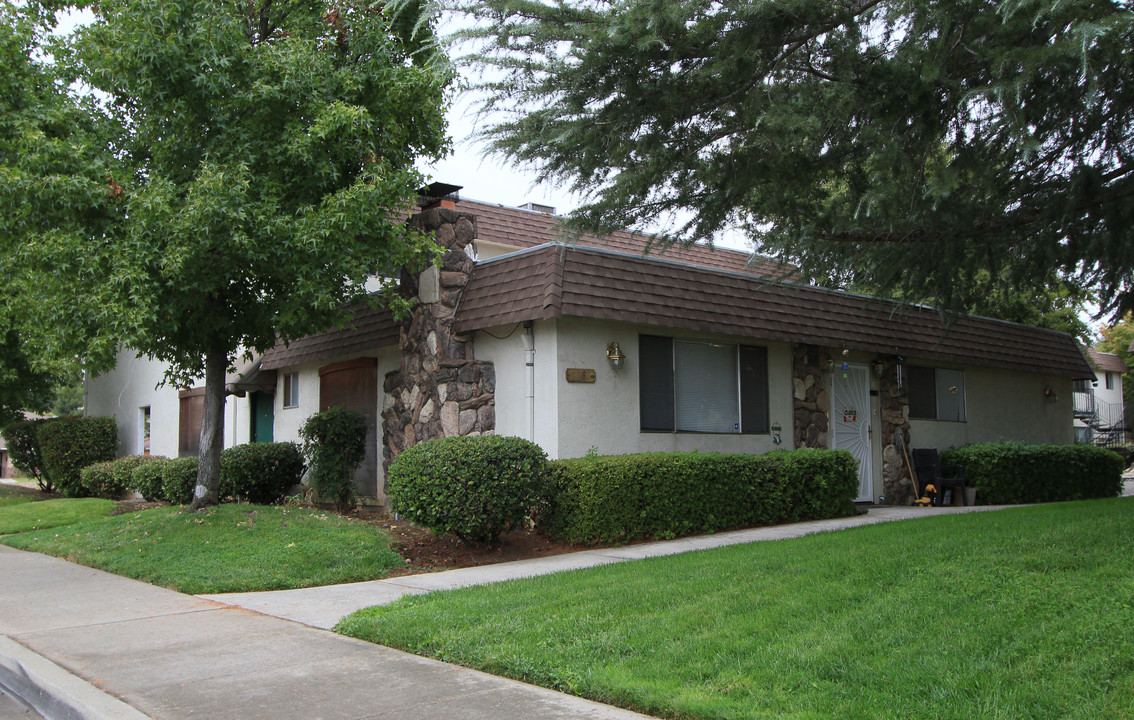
1008 614
28 516
230 548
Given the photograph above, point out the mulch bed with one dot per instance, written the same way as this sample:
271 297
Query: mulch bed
427 552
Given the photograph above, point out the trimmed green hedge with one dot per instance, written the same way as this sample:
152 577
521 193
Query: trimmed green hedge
179 480
67 445
261 473
1011 472
474 487
612 499
112 480
146 478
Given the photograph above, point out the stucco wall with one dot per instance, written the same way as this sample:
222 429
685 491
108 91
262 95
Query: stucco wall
288 421
1109 402
571 418
504 348
1003 405
133 384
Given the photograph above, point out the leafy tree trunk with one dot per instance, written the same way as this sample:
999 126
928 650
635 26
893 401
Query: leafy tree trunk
212 432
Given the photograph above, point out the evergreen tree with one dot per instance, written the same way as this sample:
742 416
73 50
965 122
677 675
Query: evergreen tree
924 148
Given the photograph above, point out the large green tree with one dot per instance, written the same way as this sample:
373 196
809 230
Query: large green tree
264 158
53 172
913 146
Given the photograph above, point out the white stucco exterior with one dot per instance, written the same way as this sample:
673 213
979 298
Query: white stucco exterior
1109 400
1003 405
288 420
571 418
135 383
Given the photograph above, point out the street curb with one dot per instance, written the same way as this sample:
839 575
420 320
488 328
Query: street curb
52 691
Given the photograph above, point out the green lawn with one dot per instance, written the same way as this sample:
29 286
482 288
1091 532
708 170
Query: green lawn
231 548
25 516
1025 613
17 494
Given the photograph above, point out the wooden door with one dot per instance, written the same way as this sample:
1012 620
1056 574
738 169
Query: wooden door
353 385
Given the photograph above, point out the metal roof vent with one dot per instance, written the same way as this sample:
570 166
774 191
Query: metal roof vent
535 207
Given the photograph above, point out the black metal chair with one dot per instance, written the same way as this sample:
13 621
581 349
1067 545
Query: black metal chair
927 464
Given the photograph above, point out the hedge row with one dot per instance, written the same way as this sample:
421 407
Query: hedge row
261 473
1013 472
55 450
614 499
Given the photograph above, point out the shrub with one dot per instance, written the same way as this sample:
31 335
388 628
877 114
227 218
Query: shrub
67 445
261 473
123 469
334 443
1013 472
111 480
473 487
95 480
146 478
23 449
623 498
179 480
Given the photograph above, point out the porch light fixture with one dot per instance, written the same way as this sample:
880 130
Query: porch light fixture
879 368
1051 395
615 356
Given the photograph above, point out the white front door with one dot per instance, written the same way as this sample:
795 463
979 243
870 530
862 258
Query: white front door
850 420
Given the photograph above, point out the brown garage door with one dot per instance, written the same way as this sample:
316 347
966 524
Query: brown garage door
353 385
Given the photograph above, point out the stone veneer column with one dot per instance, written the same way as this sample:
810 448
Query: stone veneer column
810 365
440 390
895 407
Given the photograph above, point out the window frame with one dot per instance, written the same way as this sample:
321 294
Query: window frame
660 408
289 392
918 395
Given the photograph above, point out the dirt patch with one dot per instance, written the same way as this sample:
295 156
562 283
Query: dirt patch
426 552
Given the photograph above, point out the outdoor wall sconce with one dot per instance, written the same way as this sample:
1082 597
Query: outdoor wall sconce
1051 395
615 356
776 430
879 368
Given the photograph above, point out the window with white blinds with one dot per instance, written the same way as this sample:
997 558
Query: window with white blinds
701 386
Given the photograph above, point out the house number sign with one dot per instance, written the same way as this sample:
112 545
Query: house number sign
580 375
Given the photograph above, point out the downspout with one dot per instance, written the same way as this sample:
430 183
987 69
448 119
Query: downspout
528 339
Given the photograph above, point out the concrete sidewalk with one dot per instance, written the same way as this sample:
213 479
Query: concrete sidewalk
78 643
323 607
82 644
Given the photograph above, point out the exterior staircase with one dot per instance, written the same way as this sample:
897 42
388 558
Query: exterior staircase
1107 424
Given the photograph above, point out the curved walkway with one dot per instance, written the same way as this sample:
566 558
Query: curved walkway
323 607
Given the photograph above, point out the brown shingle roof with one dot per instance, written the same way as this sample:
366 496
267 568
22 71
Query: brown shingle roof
552 282
1107 361
370 329
522 228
